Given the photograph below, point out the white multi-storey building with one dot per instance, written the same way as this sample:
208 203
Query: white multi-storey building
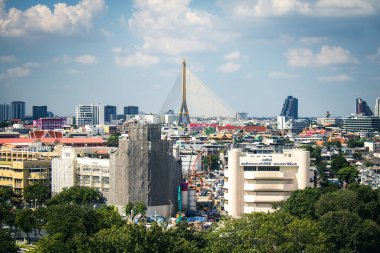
89 115
81 167
254 180
377 108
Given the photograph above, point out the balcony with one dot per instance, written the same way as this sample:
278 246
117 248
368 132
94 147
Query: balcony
269 187
267 175
263 199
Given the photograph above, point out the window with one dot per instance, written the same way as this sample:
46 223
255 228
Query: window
261 168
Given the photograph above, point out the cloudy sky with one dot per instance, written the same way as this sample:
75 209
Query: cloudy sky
252 54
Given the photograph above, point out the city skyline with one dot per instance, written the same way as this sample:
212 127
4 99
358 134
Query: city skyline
250 54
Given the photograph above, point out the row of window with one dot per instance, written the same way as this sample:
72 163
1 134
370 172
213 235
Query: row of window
261 168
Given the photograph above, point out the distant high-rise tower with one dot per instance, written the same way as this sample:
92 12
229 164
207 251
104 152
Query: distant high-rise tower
131 110
362 108
40 111
109 113
183 115
89 115
17 109
377 108
290 107
4 112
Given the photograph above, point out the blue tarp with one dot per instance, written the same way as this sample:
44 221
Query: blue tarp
196 218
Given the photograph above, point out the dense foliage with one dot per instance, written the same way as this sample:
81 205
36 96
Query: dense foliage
311 220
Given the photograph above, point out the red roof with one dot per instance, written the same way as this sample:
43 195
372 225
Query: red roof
53 140
244 128
38 134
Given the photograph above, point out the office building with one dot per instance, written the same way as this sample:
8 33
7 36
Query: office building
17 110
257 177
290 108
362 108
131 110
361 123
377 108
109 113
4 112
89 115
39 112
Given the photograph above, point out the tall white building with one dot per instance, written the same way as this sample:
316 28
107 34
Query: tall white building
377 108
89 115
254 180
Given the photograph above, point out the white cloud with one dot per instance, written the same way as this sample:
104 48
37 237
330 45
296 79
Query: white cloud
319 8
73 71
136 59
338 78
40 19
7 58
64 59
16 72
375 57
313 40
122 21
173 28
282 75
106 33
86 59
328 55
32 65
232 56
229 67
176 46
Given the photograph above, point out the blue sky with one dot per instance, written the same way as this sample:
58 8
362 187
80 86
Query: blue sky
252 54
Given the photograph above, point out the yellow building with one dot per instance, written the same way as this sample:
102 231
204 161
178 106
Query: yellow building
23 166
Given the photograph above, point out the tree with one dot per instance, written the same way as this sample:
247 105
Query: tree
7 242
340 228
366 237
357 156
109 217
40 216
37 194
113 140
26 221
210 162
301 203
355 142
338 163
336 201
7 213
133 209
267 232
71 219
348 175
79 195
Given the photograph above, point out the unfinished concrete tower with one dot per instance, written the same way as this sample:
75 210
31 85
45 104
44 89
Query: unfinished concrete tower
144 169
183 114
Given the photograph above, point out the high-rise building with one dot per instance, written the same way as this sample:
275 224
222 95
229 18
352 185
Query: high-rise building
89 115
290 107
377 108
109 113
131 110
39 111
17 109
4 112
362 108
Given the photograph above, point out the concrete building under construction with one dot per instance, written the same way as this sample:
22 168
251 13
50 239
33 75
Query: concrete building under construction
144 169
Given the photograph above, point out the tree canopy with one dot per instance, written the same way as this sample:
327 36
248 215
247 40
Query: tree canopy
79 195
